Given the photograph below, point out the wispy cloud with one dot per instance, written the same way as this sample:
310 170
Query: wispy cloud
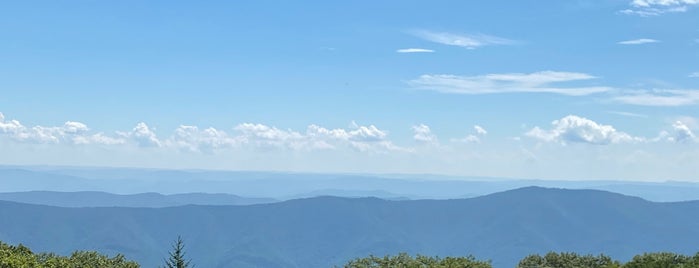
469 41
638 41
414 50
669 97
694 75
540 82
628 114
647 8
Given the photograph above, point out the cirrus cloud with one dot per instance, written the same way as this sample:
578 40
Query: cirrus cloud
640 41
468 41
660 97
646 8
414 50
538 82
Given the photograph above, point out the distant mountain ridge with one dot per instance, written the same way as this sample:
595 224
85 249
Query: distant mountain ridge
327 231
284 186
146 200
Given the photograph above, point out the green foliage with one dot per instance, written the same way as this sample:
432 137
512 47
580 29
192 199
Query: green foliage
663 260
573 260
177 259
567 260
404 260
22 257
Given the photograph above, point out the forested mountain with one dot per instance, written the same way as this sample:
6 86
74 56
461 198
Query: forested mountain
327 231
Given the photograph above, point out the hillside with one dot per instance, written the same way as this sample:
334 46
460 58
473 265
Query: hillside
326 231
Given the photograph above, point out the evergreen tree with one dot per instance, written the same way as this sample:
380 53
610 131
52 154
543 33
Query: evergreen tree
177 259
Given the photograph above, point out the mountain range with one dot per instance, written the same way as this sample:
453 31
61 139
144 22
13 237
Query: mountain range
286 186
328 231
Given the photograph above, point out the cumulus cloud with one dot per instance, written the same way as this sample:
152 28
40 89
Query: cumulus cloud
539 82
13 127
669 97
143 135
680 133
647 8
361 138
575 129
423 134
70 132
191 138
472 41
414 50
208 140
638 41
473 138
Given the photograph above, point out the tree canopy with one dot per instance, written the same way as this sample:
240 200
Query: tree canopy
419 261
22 257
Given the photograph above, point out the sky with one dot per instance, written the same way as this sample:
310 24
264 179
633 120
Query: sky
541 89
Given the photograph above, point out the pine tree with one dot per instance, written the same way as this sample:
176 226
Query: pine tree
177 259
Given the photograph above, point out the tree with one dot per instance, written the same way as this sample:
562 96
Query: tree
662 260
177 259
567 260
22 257
407 261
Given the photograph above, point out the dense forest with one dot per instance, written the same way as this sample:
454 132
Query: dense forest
19 256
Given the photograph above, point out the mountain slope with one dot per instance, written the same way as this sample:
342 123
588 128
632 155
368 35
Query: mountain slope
327 231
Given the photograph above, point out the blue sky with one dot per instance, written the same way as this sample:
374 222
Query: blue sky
527 89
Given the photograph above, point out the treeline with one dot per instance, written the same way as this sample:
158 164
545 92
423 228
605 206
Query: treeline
550 260
22 257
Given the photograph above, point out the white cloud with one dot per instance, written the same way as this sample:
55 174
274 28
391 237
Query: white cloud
668 97
143 136
70 132
414 50
473 138
638 41
694 75
361 138
681 133
507 83
462 40
647 8
12 127
423 134
468 139
575 129
98 138
194 139
480 130
627 114
190 138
